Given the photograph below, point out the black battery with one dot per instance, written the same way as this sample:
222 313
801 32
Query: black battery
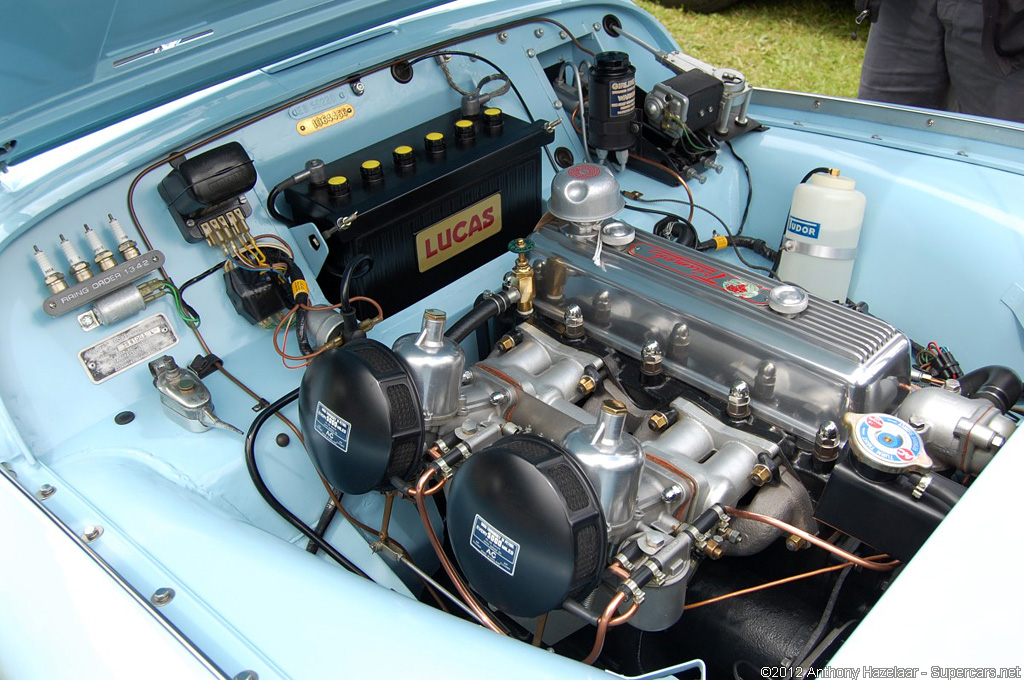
429 205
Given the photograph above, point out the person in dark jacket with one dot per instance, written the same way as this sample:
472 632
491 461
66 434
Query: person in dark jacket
965 56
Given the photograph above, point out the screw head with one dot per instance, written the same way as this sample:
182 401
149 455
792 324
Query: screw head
503 37
91 533
498 398
358 88
654 539
539 33
467 377
586 385
246 675
45 491
162 596
671 493
531 53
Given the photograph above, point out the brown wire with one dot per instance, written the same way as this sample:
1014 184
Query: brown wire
811 538
779 582
449 568
538 635
672 172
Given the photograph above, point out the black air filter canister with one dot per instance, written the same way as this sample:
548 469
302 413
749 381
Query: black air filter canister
361 417
526 526
434 203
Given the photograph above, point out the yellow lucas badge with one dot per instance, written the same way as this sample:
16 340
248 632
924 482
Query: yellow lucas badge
445 239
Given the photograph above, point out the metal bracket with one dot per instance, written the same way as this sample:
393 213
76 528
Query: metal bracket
823 252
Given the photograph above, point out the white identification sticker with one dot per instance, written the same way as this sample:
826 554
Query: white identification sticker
496 547
332 427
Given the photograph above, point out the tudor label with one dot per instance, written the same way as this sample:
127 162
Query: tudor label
496 547
460 232
747 291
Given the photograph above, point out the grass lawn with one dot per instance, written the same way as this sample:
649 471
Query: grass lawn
802 45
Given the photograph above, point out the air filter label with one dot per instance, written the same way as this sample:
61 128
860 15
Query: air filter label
445 239
496 547
332 427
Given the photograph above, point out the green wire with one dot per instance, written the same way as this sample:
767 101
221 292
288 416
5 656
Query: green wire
178 304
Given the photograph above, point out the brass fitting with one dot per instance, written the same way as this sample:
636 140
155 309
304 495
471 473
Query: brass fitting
506 343
713 549
760 475
522 275
795 543
586 385
657 421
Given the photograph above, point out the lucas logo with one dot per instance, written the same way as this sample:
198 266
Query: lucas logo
460 232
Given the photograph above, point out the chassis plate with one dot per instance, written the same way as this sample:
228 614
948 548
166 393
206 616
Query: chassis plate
126 349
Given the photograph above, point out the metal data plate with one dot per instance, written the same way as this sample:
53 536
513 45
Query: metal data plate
128 348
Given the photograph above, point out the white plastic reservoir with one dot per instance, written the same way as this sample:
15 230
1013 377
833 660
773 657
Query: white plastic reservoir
820 243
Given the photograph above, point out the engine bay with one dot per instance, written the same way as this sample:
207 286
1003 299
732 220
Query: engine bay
478 330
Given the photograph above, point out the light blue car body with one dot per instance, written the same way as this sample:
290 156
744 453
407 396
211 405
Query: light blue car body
941 257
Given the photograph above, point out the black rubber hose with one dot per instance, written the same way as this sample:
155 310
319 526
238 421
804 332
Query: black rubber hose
997 384
264 491
488 308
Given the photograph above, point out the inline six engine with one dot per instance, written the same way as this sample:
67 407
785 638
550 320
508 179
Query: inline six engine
640 408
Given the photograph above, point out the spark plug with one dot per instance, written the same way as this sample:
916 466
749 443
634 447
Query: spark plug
53 279
79 267
104 258
125 245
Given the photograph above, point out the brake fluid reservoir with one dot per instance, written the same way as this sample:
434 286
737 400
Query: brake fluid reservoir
820 243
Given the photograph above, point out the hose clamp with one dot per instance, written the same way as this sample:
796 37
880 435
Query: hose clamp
444 467
634 591
922 487
822 252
